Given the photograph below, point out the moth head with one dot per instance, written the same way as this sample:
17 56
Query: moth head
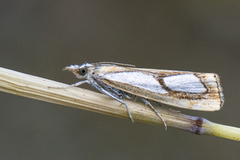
79 71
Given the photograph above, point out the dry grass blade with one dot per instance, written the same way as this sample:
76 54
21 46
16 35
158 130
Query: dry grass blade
37 88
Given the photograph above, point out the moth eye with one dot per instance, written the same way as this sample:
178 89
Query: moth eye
82 71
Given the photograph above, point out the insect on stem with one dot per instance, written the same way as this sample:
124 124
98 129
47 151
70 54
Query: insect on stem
184 89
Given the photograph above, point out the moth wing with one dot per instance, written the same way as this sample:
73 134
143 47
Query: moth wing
190 90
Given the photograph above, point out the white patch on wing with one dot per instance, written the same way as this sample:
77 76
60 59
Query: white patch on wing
184 83
137 79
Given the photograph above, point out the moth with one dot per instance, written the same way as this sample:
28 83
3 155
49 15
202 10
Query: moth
184 89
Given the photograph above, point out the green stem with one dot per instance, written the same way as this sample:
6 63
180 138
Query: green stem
223 131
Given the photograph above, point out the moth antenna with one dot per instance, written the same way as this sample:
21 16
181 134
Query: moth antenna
120 64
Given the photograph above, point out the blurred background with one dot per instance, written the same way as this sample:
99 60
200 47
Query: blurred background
40 37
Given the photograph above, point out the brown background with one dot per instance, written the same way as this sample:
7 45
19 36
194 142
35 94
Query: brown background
40 37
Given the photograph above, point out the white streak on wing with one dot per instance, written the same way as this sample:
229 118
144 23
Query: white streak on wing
184 83
137 79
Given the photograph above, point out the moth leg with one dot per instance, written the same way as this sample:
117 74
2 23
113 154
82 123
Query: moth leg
119 100
78 83
101 89
148 103
72 85
130 96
